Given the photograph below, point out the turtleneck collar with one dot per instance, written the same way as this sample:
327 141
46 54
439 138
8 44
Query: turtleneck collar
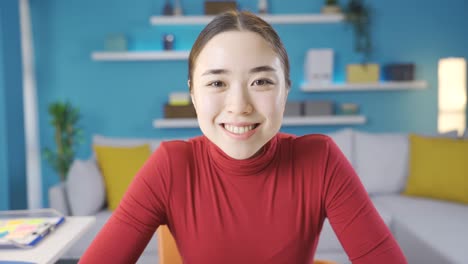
246 167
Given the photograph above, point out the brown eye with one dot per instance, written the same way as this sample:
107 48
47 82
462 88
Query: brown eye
216 84
261 82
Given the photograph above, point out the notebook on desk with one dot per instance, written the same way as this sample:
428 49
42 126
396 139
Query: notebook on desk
26 228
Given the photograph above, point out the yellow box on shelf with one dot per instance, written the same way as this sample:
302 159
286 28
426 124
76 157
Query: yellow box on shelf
179 103
363 73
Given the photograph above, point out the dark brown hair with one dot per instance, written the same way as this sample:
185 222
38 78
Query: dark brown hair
239 21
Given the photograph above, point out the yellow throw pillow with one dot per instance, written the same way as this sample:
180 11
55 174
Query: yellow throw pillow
438 168
118 166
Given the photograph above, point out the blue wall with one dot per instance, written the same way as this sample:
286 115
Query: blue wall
4 193
12 148
122 98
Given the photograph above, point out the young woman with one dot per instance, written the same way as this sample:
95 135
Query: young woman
243 192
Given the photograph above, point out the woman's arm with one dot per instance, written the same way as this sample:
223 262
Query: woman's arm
142 209
356 222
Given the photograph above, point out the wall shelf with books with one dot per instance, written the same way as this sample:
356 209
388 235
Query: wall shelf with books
139 55
355 87
287 121
273 19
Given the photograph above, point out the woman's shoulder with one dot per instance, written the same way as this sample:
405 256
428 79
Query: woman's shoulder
305 141
181 146
311 147
317 145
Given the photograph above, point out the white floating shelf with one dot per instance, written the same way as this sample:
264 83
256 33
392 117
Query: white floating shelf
382 86
273 19
324 120
287 121
139 55
175 123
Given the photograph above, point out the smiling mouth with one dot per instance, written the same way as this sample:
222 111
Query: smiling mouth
239 130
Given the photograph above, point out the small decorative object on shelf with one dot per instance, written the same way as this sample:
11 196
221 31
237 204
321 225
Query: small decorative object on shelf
179 106
363 73
318 108
178 11
217 7
179 111
331 7
168 41
168 10
116 42
263 6
179 98
294 108
399 72
348 109
319 66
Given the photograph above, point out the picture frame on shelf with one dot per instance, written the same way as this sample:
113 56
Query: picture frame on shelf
218 7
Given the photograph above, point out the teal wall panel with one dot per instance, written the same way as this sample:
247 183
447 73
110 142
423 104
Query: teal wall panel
12 128
4 192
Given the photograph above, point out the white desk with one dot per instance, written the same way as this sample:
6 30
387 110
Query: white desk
54 245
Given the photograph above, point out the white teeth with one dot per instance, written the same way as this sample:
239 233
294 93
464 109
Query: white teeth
238 130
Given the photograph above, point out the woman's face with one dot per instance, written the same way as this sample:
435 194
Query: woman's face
239 92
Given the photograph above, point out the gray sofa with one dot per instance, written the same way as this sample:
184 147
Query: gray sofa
429 231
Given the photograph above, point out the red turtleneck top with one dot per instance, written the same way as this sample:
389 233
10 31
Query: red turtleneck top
266 209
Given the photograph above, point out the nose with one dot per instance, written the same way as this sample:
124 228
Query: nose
238 101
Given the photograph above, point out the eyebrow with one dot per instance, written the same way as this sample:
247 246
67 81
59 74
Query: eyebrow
254 70
262 69
215 71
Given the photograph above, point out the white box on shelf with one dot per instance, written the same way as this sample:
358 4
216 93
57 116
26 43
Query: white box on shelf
319 66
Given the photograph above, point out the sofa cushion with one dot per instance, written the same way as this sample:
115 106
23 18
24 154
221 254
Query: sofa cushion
344 140
84 177
381 161
429 231
118 166
438 168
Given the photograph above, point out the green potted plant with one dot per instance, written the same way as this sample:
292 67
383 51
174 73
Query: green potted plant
67 136
331 7
358 15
